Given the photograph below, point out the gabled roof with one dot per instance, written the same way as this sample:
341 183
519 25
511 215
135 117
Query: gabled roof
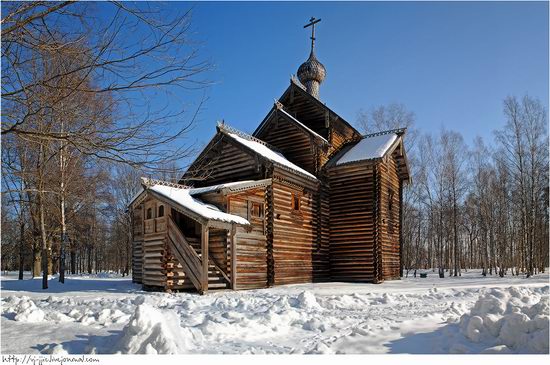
369 147
181 196
263 149
373 147
296 86
251 145
279 110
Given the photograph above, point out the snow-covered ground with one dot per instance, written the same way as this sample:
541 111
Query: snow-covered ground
107 314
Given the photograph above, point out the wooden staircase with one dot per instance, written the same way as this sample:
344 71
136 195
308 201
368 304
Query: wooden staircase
216 277
187 250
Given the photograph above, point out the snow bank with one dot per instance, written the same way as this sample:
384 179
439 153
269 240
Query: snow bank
306 300
24 309
408 316
509 320
151 331
55 309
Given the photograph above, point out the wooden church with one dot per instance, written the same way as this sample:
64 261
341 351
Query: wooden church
305 198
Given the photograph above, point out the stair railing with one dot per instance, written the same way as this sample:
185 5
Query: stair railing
186 254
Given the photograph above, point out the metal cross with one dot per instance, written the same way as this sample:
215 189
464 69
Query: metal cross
311 24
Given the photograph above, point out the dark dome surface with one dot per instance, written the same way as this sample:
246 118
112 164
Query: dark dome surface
311 70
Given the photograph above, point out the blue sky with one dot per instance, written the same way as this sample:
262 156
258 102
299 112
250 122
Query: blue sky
450 63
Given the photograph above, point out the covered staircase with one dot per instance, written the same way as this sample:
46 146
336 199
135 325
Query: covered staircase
188 251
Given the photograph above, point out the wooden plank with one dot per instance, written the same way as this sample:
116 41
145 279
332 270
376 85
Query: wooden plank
204 252
233 258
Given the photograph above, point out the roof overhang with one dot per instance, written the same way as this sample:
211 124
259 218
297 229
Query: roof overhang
229 188
396 147
277 111
226 130
181 208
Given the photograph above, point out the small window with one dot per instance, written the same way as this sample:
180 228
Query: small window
161 211
149 213
257 210
390 199
295 201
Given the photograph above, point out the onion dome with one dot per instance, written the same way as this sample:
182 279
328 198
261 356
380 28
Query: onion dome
311 74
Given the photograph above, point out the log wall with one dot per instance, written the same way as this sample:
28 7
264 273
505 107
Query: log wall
299 255
321 253
250 242
218 248
390 211
224 162
137 244
294 144
352 222
154 246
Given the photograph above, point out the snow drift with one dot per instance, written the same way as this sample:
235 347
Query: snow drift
151 331
24 309
511 320
470 314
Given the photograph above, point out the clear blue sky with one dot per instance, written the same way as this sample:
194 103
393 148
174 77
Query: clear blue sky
450 63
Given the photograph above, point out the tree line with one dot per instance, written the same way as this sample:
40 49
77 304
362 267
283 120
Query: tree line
475 206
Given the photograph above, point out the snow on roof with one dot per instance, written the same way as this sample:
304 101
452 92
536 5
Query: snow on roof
182 196
266 152
303 125
369 147
229 186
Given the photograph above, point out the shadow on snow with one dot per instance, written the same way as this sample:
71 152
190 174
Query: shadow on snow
72 285
84 344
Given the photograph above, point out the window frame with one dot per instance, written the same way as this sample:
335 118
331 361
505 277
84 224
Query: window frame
260 207
296 202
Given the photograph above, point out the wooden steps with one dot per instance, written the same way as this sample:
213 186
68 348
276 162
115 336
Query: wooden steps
187 251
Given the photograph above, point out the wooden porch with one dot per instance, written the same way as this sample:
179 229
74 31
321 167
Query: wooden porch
178 259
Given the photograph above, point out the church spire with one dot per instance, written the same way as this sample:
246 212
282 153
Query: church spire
312 72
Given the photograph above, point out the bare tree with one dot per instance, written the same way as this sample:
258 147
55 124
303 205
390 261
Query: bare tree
73 89
391 116
523 144
454 158
104 62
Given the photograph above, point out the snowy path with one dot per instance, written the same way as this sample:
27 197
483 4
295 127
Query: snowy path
413 315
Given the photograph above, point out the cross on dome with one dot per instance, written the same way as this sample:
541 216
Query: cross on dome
312 72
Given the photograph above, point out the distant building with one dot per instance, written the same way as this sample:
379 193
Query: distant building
306 198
